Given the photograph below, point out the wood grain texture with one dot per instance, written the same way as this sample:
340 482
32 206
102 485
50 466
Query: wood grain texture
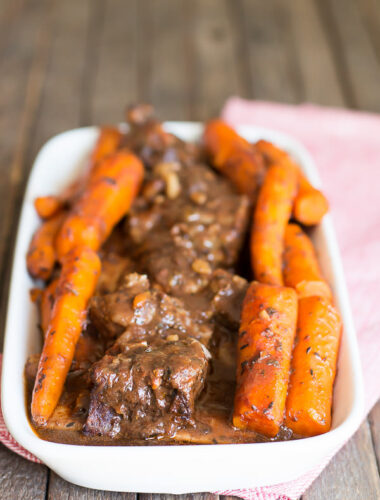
22 65
354 53
9 12
115 79
92 29
214 53
351 474
374 422
190 496
60 107
275 73
59 489
19 478
313 53
162 57
370 12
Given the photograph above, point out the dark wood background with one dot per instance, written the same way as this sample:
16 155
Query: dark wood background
70 63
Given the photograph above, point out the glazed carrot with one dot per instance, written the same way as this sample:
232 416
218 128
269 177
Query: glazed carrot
310 205
308 406
47 206
301 269
46 304
86 346
273 209
105 201
76 284
272 154
267 329
107 143
41 255
234 157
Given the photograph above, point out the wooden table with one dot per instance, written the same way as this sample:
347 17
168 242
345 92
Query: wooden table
69 63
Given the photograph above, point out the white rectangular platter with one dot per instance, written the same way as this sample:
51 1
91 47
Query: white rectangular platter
168 469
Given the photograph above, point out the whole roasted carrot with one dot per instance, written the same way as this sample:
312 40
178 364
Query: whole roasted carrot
310 205
47 206
41 255
301 268
76 284
87 347
234 157
271 153
273 209
46 304
267 329
107 143
104 202
308 405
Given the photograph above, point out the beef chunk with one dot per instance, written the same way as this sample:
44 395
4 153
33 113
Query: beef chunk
152 143
114 266
139 114
137 311
112 313
147 137
188 222
146 390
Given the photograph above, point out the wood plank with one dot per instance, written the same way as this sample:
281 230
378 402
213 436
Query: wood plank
351 474
59 489
374 422
370 12
22 62
320 81
214 38
116 79
241 50
9 12
189 496
93 29
144 52
61 101
22 66
355 55
20 478
162 57
275 73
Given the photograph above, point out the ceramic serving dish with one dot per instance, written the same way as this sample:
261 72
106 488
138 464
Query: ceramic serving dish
168 469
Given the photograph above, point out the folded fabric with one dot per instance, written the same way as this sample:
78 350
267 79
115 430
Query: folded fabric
345 146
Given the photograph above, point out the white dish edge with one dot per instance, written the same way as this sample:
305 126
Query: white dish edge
171 469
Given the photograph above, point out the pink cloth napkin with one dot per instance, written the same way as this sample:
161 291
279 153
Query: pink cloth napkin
346 148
